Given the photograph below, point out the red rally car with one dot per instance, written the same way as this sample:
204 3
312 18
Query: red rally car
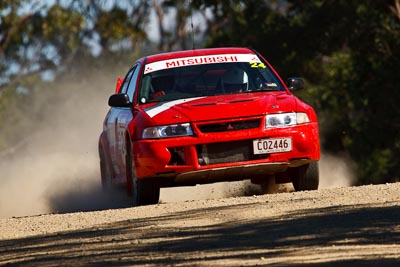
203 116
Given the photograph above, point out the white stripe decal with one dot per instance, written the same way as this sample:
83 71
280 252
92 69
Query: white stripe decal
158 109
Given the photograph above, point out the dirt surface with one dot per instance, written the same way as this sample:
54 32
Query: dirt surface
353 226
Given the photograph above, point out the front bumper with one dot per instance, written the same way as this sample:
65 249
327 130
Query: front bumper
187 159
233 173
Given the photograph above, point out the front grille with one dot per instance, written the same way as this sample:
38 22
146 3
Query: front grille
227 152
229 126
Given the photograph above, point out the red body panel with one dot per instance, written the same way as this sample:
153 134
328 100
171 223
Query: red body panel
176 160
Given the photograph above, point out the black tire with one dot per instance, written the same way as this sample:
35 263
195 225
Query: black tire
142 192
106 183
306 177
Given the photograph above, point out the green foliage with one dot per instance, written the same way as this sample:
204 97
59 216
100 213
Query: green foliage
349 53
114 26
63 28
359 91
37 36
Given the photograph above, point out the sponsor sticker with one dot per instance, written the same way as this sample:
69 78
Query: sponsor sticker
199 60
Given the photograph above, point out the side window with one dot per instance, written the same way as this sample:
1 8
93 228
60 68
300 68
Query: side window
133 82
128 77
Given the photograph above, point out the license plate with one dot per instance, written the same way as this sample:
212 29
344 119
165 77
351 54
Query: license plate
272 145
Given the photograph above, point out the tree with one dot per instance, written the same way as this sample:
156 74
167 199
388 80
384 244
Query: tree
356 86
176 29
33 41
36 36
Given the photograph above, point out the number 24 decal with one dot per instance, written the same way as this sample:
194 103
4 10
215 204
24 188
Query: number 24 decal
257 65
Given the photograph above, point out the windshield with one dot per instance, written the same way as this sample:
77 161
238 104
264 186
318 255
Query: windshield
178 79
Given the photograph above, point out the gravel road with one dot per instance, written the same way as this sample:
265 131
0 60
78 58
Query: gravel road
350 226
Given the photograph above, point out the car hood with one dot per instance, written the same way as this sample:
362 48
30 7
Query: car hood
221 107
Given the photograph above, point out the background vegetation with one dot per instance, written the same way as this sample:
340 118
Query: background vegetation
348 51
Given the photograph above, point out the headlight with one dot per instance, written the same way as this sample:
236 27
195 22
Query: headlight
285 119
167 131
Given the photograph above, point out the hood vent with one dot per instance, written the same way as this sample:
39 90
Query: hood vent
240 101
204 104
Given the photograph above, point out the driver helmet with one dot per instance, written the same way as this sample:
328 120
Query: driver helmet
235 80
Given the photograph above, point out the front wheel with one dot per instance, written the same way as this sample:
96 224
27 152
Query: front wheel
142 192
306 177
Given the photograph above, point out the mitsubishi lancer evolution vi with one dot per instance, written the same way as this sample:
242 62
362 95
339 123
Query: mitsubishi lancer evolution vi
204 116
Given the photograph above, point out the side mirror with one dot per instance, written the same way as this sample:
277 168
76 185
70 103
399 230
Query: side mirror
295 84
119 100
120 80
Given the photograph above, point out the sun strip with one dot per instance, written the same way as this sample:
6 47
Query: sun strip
199 60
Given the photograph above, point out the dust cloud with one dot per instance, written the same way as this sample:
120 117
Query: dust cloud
336 171
55 169
208 191
55 166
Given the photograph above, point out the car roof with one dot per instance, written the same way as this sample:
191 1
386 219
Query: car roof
198 52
